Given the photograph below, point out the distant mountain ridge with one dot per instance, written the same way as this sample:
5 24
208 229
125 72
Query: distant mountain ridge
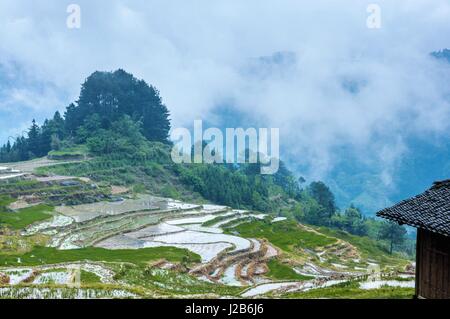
426 161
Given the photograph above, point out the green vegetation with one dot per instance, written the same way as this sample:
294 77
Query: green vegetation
114 110
54 193
154 174
170 191
216 220
48 255
351 290
154 171
12 243
121 120
316 207
24 217
394 233
280 271
369 248
171 283
120 125
287 235
88 277
77 151
293 238
5 201
19 186
327 207
57 291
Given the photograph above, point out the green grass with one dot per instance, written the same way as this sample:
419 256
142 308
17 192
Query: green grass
172 283
19 185
159 179
54 193
369 248
88 277
351 290
216 220
170 191
48 255
280 271
24 217
287 235
79 150
5 201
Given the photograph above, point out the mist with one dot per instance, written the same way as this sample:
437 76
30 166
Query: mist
311 68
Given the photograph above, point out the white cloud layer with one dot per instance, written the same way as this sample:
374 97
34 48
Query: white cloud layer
197 53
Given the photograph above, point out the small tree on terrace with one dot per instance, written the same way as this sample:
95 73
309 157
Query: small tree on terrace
394 233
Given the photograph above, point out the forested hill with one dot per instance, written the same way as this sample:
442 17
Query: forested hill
121 124
107 101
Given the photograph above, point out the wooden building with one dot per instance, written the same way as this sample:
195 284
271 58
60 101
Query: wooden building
429 212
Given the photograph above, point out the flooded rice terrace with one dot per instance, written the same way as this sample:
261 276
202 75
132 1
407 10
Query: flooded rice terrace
148 221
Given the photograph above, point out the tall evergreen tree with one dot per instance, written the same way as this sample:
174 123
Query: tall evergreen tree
34 142
324 197
8 147
51 130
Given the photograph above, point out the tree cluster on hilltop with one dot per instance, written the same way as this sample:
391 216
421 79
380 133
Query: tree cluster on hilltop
113 105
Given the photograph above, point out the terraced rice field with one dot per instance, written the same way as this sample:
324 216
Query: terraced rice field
63 293
145 221
83 213
58 274
148 221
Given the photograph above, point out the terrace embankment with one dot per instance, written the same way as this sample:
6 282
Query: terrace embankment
255 256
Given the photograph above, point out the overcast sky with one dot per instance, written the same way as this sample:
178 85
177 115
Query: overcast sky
340 83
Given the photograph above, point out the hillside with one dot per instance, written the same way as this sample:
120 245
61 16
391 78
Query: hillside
146 246
92 199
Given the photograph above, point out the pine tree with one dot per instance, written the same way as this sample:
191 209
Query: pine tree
8 147
325 198
34 142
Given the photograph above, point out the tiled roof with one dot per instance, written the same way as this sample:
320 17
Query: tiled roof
429 210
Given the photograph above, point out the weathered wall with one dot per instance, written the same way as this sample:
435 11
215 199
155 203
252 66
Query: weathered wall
433 265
